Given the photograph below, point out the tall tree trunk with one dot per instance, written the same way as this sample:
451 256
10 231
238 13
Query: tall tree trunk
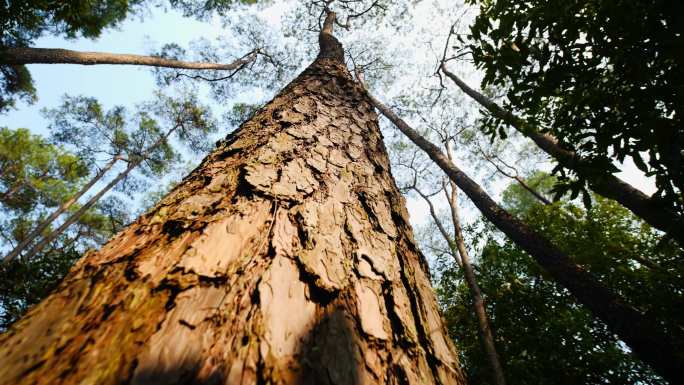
286 257
604 183
35 233
28 55
641 332
469 273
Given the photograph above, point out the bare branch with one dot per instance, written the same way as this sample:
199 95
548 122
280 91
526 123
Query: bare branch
26 55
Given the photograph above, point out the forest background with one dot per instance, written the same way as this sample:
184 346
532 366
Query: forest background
400 56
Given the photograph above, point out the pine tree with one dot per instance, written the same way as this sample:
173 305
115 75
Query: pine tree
285 257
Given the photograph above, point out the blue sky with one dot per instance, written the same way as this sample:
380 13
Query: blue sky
112 85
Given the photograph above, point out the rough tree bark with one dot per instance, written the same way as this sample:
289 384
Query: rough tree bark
640 331
28 55
286 257
605 184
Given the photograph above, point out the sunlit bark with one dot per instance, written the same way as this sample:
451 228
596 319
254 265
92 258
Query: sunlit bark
286 257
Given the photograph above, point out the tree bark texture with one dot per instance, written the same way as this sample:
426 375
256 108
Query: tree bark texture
604 183
28 55
286 257
640 331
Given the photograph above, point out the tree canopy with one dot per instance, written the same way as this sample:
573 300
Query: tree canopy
605 77
600 81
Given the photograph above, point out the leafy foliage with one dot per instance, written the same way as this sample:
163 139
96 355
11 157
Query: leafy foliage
25 20
34 172
604 76
542 334
205 8
15 83
35 177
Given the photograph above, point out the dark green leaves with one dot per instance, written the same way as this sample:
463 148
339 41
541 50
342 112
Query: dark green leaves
542 334
603 76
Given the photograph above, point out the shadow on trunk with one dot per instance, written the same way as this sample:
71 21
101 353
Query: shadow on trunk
328 354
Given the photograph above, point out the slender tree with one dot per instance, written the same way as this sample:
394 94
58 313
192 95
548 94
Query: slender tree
285 257
640 331
147 145
469 273
455 241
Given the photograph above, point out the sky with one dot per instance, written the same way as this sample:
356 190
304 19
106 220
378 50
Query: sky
129 85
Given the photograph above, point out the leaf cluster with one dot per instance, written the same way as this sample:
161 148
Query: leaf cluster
36 176
34 172
603 76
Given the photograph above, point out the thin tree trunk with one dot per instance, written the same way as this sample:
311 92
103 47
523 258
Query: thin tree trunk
27 55
62 209
95 198
642 333
32 252
532 191
8 194
605 184
457 247
469 273
440 226
286 257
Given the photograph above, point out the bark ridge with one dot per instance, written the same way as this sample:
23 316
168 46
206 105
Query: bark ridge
286 257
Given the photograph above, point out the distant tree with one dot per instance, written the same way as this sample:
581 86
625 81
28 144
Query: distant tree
139 142
543 333
36 177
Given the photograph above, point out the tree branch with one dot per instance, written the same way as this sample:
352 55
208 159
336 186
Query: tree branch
604 183
27 55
